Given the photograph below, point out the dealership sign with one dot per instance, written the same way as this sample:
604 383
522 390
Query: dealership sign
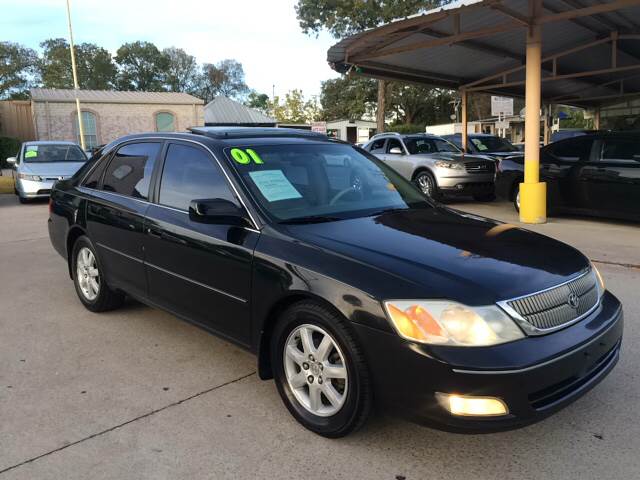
319 127
501 106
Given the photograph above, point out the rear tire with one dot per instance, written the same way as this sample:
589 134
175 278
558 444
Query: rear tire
88 278
314 352
516 196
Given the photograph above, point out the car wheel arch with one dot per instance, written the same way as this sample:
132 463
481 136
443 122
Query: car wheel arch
75 232
422 169
265 371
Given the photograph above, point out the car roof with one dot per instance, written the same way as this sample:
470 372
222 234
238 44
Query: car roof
50 142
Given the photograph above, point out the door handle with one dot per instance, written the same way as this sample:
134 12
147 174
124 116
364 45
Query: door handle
154 233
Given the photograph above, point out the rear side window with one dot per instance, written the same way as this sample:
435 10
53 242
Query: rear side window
129 172
93 180
621 149
376 145
190 173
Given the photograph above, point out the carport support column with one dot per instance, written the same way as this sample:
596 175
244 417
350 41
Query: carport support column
463 100
533 196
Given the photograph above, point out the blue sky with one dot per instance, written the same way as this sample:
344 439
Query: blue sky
263 35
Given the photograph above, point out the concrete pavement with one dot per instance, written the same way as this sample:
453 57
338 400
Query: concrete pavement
136 393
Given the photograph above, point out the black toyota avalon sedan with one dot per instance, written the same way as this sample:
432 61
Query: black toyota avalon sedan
352 287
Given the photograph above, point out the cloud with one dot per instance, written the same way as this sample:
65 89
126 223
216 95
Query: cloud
263 35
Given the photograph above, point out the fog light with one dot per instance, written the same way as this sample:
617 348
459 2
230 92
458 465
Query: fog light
472 406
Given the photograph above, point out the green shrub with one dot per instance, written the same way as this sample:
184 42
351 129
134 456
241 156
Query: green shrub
407 128
8 148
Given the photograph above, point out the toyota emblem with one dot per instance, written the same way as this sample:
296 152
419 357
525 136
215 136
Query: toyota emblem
573 300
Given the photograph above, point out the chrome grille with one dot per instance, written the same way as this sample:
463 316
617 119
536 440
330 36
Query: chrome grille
479 167
551 309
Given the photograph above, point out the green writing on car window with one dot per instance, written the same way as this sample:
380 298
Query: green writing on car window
245 157
30 154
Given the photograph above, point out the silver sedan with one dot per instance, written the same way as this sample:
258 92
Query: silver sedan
38 165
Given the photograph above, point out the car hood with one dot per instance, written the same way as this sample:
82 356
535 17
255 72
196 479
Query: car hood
454 157
449 253
51 169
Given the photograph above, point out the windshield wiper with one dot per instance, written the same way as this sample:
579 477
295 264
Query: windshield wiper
310 219
388 210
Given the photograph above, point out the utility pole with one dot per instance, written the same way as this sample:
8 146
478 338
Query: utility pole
75 77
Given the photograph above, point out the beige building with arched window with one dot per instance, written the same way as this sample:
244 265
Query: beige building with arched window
107 115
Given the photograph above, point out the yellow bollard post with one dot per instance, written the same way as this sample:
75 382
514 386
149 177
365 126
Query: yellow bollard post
533 193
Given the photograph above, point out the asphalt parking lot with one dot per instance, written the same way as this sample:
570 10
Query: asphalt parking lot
136 393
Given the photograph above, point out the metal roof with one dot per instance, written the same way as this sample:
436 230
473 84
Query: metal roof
590 49
254 132
223 110
108 96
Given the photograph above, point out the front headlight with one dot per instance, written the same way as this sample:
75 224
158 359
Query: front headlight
24 176
453 165
601 286
445 322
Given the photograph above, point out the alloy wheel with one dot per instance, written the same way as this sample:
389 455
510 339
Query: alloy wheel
315 370
425 184
87 274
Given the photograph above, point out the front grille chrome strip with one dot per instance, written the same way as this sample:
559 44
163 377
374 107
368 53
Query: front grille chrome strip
549 310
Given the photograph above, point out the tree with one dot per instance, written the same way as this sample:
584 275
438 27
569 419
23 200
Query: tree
96 70
350 97
181 71
259 101
142 67
17 69
417 104
294 108
349 17
224 78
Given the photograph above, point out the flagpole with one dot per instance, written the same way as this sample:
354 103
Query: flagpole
75 77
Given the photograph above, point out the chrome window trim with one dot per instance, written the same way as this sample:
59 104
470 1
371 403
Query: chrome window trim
531 330
195 282
229 181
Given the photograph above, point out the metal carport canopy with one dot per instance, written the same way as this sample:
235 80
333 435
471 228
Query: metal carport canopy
590 49
577 52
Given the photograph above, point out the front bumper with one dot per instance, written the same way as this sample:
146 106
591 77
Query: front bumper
33 189
535 376
462 183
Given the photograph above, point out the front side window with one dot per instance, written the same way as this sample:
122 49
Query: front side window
321 182
394 143
89 125
165 122
444 146
621 149
129 172
189 174
50 153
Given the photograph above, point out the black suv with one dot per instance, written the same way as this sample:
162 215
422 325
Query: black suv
349 284
596 174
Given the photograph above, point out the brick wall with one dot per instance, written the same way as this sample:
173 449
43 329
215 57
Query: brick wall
56 121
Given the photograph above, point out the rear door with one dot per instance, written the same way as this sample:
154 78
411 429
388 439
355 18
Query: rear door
196 270
614 175
115 214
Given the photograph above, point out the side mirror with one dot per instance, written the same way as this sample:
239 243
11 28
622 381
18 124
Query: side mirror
395 151
218 211
11 160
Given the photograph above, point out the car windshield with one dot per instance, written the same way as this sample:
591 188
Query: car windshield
417 145
492 144
309 183
53 153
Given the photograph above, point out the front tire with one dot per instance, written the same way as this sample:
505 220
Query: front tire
516 196
23 200
88 278
427 184
320 371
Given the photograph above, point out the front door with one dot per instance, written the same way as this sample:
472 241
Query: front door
397 158
199 271
115 215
